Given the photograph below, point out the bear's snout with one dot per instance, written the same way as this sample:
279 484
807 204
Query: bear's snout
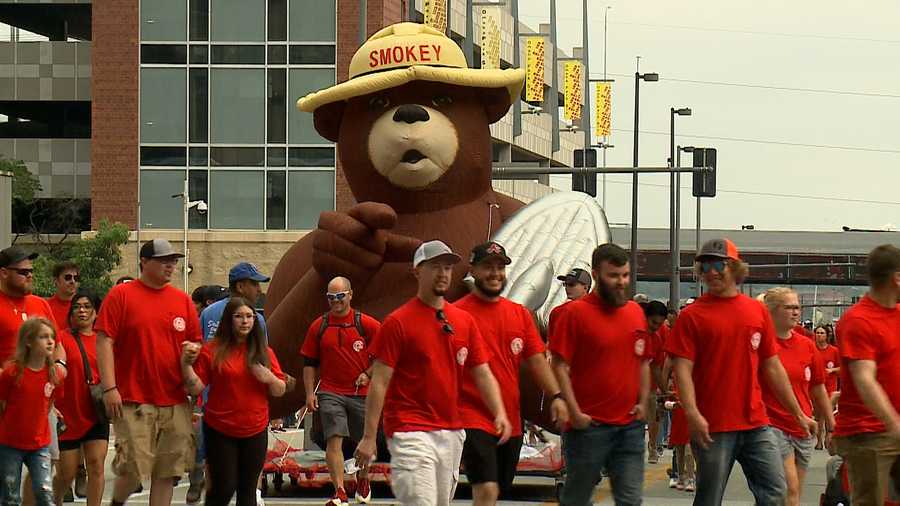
410 113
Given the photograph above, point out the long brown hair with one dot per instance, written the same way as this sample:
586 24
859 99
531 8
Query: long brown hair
28 334
226 340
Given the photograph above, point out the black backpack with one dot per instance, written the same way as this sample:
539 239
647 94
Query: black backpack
357 322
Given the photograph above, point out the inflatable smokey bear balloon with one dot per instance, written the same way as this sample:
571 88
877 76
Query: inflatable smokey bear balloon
412 132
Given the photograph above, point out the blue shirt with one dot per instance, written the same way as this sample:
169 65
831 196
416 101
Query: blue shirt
212 315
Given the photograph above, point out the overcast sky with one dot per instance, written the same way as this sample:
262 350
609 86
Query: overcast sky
805 45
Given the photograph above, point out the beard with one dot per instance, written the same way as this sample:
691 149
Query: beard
610 295
488 291
438 291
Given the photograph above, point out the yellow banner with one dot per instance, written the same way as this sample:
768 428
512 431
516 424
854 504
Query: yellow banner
490 37
534 69
436 14
573 89
604 109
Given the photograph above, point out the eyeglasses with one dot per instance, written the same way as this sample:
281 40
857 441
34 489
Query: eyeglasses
338 296
441 317
718 265
72 277
86 307
21 272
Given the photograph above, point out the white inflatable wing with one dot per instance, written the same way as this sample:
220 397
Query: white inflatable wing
546 238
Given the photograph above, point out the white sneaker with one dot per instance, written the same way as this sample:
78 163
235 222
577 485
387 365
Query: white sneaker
673 482
690 486
259 499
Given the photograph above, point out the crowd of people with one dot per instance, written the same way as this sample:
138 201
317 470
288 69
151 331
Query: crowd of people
184 380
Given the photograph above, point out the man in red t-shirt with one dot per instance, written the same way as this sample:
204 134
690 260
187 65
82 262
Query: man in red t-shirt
17 304
722 345
140 330
422 352
511 338
601 358
67 280
867 435
336 349
577 284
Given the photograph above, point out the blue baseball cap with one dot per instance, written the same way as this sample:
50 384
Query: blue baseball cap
246 270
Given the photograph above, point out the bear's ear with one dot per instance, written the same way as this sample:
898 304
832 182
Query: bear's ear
327 119
496 102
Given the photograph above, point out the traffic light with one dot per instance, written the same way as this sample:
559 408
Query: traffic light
586 183
705 182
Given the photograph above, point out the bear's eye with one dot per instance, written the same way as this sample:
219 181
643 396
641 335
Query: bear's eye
442 100
379 102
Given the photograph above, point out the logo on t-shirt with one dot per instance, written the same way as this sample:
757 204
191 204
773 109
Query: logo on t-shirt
461 355
639 347
179 324
830 364
48 389
358 345
807 373
516 346
755 339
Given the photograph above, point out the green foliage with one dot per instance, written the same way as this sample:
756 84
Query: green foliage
96 257
25 185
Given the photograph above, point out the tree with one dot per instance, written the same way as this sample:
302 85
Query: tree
25 185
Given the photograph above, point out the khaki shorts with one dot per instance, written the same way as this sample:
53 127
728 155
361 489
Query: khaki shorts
869 458
154 441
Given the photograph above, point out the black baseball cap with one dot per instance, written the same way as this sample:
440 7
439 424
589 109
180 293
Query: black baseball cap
578 275
488 250
14 255
159 248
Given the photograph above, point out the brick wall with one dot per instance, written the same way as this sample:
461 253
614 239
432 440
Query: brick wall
114 136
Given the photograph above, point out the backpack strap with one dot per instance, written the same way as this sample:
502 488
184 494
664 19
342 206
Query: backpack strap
323 326
88 376
357 322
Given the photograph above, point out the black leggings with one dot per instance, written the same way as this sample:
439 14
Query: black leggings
234 466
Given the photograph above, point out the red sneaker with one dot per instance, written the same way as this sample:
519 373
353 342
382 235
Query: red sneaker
363 490
339 499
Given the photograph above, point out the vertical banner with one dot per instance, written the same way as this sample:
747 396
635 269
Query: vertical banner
490 37
436 14
534 69
573 89
604 107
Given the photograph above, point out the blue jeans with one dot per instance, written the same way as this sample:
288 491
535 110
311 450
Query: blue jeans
38 463
757 452
617 448
665 420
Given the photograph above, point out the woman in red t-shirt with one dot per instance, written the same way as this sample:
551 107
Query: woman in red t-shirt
83 430
241 371
29 384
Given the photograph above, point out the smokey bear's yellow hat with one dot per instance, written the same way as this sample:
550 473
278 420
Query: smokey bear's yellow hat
406 52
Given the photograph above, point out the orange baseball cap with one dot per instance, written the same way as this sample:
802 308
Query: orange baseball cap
718 248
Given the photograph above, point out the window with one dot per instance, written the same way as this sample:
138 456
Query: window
276 205
236 199
158 208
173 54
312 55
164 20
303 81
277 104
311 157
199 19
236 157
171 156
163 105
238 20
309 193
240 55
275 157
312 20
199 54
277 55
199 105
237 106
197 157
197 180
277 20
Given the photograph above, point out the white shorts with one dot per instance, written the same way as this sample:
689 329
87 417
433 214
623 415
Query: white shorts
425 466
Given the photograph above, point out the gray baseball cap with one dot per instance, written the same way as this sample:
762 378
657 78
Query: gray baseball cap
434 249
159 248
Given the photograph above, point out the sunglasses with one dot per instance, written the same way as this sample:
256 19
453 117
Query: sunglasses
339 296
718 265
21 272
72 277
441 317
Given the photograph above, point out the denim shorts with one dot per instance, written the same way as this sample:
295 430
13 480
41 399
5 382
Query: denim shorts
801 447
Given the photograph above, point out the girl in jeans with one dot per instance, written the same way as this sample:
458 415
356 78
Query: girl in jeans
241 371
29 384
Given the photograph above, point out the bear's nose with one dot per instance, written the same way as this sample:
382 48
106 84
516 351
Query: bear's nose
410 113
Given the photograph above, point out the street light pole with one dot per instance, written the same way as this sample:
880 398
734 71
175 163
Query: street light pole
675 276
586 111
649 77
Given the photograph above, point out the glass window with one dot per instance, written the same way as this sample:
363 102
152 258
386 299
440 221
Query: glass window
311 157
197 190
277 20
303 81
199 19
238 106
164 20
236 157
197 157
172 156
277 104
158 208
236 199
240 55
312 55
163 105
199 54
199 105
312 20
276 204
309 193
238 20
175 54
275 157
277 55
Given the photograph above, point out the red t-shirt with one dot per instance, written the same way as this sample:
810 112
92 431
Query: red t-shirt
342 353
867 331
13 311
428 363
658 341
148 326
76 406
23 424
60 310
605 348
238 404
726 338
805 370
510 336
554 316
831 358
